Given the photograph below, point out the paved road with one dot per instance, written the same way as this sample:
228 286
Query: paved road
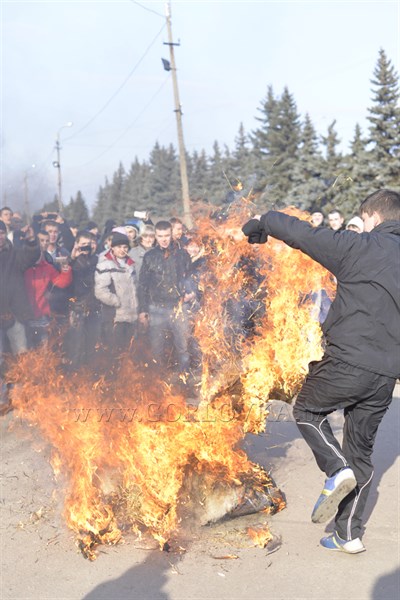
41 562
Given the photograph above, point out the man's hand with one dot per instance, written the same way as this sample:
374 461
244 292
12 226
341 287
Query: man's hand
143 318
189 296
29 234
254 232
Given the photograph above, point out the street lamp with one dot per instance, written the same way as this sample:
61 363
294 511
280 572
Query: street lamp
57 165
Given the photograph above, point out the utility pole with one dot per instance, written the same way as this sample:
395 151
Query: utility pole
57 165
178 112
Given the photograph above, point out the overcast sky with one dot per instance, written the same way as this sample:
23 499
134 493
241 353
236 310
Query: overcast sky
98 64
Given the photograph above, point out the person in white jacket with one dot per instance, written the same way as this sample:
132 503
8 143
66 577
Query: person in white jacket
115 287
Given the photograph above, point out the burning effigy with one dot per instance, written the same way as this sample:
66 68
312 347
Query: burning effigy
129 449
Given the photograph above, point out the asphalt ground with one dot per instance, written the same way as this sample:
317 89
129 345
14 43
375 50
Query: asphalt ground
40 560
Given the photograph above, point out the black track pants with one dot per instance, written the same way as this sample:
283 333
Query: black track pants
330 385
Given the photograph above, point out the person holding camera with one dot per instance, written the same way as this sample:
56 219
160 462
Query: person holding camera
84 309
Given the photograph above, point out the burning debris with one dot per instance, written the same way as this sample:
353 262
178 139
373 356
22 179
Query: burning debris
131 453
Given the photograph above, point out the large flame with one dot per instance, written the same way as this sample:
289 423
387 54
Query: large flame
125 446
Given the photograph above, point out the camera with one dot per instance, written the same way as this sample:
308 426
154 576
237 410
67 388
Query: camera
141 214
86 248
52 216
61 260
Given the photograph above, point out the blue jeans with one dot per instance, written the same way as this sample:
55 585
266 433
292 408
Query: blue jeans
163 321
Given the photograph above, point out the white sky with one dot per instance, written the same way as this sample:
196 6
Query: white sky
63 61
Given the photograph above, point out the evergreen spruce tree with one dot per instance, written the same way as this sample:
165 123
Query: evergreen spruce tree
77 210
284 140
334 174
384 118
240 165
308 184
261 138
135 195
198 182
108 202
117 194
163 181
217 185
358 163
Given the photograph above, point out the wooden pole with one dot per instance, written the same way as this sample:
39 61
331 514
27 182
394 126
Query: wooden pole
178 112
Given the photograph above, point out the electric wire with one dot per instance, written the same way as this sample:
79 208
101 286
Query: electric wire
147 8
129 126
118 89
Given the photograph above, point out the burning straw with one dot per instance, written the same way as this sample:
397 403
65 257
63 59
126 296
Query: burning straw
130 453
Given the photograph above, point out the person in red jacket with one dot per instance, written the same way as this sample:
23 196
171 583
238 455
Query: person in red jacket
38 280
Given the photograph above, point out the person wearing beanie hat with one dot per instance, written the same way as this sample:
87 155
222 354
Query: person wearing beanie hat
119 229
115 287
119 239
355 224
132 227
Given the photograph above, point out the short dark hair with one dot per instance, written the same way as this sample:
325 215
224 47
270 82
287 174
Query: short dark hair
384 202
49 222
163 225
85 234
335 210
43 232
6 208
175 220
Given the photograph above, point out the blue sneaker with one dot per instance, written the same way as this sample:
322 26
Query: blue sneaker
334 542
335 489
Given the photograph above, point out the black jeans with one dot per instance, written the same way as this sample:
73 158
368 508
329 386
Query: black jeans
365 397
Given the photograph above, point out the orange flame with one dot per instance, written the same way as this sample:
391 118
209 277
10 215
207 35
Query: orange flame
261 536
124 447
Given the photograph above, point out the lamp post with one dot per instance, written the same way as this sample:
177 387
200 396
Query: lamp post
57 165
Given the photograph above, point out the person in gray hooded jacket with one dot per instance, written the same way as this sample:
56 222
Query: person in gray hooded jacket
115 287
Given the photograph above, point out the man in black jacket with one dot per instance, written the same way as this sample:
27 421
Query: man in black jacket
361 363
165 282
14 306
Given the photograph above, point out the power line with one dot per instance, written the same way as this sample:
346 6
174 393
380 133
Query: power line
129 126
149 9
119 88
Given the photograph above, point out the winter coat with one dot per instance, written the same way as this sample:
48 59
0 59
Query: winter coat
363 323
115 286
136 254
13 297
165 277
37 281
83 299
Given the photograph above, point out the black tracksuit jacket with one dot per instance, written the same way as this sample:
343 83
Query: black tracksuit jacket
363 324
164 278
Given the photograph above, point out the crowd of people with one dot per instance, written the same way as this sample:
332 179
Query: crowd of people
93 292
